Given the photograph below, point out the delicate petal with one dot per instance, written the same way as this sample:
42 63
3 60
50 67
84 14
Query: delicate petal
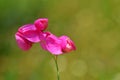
41 24
52 44
67 44
43 40
30 32
22 42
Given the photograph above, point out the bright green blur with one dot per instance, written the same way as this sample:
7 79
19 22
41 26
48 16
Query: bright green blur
94 26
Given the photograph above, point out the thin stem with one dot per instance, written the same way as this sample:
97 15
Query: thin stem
58 76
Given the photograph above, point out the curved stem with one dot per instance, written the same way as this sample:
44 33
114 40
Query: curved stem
58 76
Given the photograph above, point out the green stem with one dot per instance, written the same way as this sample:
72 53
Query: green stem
58 76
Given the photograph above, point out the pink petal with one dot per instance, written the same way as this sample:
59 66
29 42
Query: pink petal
43 39
52 44
22 42
30 32
41 24
67 44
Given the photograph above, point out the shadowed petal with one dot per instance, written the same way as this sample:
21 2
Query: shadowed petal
22 42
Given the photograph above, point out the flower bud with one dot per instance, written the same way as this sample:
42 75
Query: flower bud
67 44
41 24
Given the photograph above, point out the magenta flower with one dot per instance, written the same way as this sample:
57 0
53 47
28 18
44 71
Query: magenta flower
56 45
29 33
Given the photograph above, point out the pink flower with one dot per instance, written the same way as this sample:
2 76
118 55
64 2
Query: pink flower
29 33
55 45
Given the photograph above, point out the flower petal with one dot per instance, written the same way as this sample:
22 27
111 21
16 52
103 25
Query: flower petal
22 42
43 40
41 23
30 32
52 44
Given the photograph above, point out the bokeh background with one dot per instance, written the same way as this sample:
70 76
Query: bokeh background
94 26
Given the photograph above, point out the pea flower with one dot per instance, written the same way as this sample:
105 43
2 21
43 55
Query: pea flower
29 33
57 45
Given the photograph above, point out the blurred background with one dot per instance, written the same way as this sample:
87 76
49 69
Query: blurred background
94 26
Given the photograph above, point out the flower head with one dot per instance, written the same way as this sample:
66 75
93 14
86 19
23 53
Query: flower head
55 45
30 33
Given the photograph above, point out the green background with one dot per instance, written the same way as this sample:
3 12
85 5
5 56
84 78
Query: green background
94 26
